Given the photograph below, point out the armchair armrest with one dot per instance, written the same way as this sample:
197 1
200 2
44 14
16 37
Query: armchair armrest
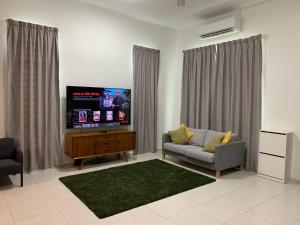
230 155
165 139
19 155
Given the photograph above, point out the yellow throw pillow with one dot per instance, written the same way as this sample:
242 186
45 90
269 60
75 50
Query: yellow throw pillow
178 136
189 134
211 146
227 137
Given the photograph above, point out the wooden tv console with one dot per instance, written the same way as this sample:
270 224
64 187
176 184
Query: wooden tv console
91 144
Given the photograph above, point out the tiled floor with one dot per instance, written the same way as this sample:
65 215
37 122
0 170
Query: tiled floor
238 198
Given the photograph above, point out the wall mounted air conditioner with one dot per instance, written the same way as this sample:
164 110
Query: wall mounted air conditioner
228 25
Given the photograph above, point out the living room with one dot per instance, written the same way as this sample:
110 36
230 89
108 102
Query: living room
98 45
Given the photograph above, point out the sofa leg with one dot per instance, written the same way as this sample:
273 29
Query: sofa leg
218 174
242 167
21 177
163 156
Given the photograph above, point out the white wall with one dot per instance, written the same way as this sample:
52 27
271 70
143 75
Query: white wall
278 22
95 46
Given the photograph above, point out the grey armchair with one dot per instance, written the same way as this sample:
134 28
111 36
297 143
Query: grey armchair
11 158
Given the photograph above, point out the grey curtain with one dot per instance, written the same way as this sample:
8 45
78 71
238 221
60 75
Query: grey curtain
232 85
198 66
145 75
33 84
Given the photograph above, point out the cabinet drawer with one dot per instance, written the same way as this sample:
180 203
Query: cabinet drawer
106 147
271 166
107 138
274 144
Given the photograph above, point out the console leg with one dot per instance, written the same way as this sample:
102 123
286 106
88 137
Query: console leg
242 167
218 174
125 156
163 156
81 164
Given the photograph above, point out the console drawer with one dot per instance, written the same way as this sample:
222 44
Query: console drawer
107 138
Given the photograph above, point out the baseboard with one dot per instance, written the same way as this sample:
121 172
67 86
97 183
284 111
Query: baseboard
296 181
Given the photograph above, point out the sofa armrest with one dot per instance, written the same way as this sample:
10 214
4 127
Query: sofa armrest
19 155
230 155
165 139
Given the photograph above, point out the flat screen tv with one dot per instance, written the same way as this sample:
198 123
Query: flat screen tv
93 107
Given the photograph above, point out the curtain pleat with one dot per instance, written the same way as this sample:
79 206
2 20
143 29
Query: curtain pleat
222 91
34 106
145 75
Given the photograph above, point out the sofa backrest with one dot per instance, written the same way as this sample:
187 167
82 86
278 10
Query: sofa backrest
7 148
198 137
211 135
203 136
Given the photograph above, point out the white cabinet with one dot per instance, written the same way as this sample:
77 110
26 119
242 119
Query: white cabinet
274 158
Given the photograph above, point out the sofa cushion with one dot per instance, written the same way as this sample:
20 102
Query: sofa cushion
200 155
234 137
227 137
10 166
211 146
188 133
179 149
7 148
212 135
199 137
178 136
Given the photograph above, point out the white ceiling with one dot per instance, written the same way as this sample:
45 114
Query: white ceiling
167 13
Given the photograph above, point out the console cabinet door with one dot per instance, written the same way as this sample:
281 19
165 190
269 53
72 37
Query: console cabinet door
126 141
83 146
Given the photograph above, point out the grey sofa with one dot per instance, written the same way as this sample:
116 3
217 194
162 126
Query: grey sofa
11 158
225 156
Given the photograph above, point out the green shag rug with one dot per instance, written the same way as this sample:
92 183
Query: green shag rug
111 191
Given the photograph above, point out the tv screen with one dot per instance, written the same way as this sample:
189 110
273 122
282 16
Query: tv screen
92 107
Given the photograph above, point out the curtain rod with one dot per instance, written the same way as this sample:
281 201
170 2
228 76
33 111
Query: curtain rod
263 36
34 24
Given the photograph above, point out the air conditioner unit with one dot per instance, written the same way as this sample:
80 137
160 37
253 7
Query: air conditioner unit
229 25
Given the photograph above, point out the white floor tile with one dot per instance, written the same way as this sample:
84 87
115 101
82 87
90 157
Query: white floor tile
249 219
26 209
283 209
53 187
23 194
194 217
77 214
175 204
5 215
51 218
220 209
64 200
2 199
138 216
106 221
297 222
254 194
165 222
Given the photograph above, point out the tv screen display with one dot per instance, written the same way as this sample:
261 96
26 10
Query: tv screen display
92 107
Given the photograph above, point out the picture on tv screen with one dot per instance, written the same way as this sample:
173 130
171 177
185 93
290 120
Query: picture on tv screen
90 107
